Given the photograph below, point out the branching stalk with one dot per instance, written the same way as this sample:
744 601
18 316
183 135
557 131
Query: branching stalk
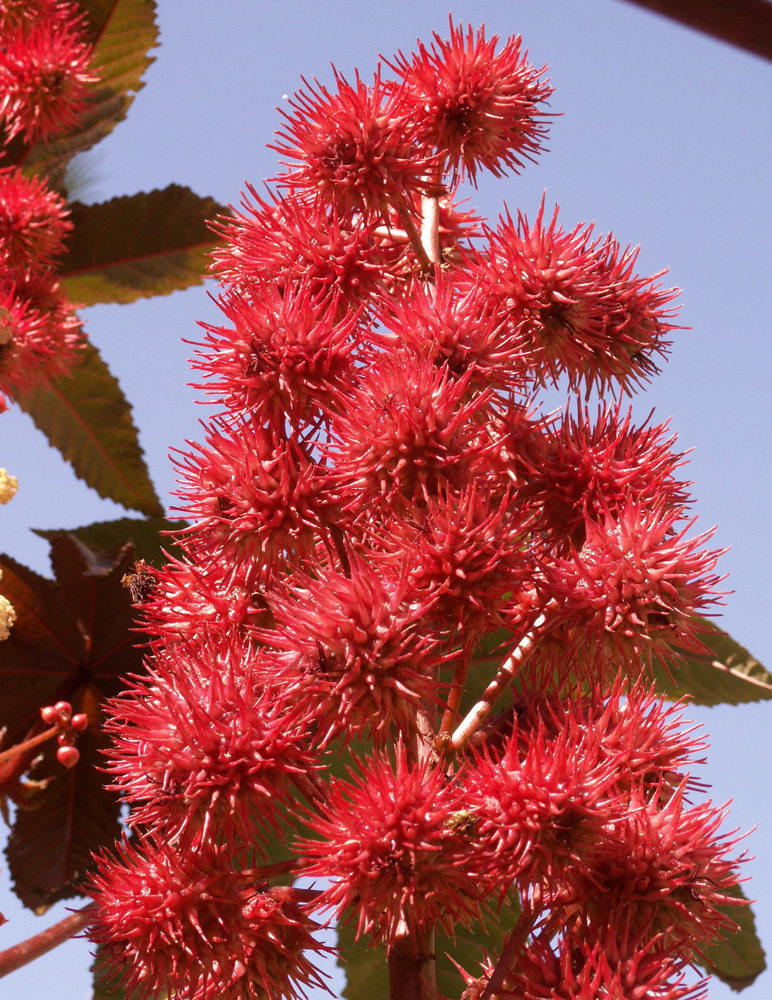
510 951
416 242
29 744
506 673
450 714
20 954
430 227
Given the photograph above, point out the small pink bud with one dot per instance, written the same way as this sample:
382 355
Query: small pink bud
79 722
68 756
49 714
64 708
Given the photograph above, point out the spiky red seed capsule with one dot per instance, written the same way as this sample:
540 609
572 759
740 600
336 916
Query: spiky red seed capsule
206 747
355 150
197 922
45 76
393 849
477 107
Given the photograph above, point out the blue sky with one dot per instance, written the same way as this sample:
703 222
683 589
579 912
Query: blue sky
663 138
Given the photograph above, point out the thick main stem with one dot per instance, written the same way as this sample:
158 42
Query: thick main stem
20 954
412 965
411 956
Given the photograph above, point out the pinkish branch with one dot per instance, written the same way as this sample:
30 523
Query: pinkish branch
506 673
430 227
20 954
29 744
416 242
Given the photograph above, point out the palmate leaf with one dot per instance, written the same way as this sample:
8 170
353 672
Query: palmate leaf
731 675
147 535
140 245
73 641
738 958
49 850
122 33
86 416
104 988
366 968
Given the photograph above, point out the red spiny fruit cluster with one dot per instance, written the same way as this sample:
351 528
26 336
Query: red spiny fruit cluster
45 76
405 653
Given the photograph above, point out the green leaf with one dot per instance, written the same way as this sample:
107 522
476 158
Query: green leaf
471 945
725 674
106 988
367 972
146 535
728 674
136 246
87 417
738 958
122 32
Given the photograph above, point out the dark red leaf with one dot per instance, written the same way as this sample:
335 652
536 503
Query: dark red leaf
72 641
49 850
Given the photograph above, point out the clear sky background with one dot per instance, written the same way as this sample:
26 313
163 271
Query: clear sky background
664 138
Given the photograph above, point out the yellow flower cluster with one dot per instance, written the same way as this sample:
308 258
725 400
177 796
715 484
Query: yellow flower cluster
7 614
8 486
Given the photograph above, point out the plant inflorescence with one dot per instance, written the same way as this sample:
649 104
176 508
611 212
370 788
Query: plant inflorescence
405 653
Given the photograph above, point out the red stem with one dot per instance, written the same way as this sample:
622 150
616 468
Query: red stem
744 23
415 241
412 971
450 715
514 945
411 958
29 744
20 954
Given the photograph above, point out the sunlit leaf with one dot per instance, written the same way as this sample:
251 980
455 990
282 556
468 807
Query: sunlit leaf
731 675
738 958
151 243
147 535
87 417
728 674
